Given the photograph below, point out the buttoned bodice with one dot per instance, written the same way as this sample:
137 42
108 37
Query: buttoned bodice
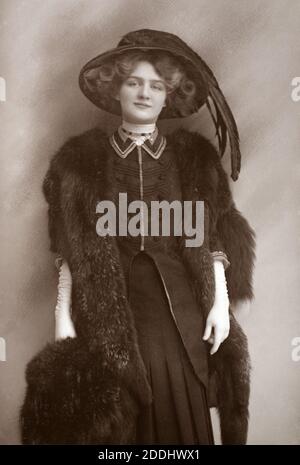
149 173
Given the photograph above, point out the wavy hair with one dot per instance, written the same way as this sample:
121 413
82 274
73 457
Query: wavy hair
181 90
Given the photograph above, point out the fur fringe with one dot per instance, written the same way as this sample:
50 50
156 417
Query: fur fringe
72 398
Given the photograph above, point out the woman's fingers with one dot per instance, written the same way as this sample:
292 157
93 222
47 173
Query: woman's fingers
218 338
216 330
207 331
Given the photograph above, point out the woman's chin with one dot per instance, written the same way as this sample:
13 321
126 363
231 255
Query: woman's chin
140 117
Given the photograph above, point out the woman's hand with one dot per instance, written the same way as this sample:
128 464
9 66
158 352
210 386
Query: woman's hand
218 322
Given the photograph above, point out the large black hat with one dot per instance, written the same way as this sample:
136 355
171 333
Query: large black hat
207 87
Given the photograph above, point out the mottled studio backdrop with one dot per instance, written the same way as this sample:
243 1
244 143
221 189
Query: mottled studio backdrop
253 48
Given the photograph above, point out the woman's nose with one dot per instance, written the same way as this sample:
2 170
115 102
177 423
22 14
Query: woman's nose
144 91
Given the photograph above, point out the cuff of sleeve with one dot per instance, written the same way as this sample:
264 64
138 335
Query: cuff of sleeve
219 255
58 262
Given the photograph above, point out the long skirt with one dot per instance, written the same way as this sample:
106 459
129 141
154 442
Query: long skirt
179 413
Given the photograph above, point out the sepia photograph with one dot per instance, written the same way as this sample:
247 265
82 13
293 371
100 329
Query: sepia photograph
150 218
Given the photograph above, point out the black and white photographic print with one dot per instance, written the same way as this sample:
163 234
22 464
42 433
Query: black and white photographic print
150 218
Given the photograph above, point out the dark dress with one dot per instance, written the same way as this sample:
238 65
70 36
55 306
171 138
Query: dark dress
165 311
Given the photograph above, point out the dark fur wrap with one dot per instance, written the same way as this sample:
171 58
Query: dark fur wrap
88 390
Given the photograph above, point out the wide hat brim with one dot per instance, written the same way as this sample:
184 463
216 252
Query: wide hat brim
207 88
89 72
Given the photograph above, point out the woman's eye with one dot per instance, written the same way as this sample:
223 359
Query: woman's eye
131 83
158 87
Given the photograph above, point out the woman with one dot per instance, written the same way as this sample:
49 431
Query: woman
144 308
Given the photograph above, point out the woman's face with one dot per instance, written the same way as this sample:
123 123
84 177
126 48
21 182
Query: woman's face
142 95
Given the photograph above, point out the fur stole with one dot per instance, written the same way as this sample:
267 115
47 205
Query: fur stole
89 390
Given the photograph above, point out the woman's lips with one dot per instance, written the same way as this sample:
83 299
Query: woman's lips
142 105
